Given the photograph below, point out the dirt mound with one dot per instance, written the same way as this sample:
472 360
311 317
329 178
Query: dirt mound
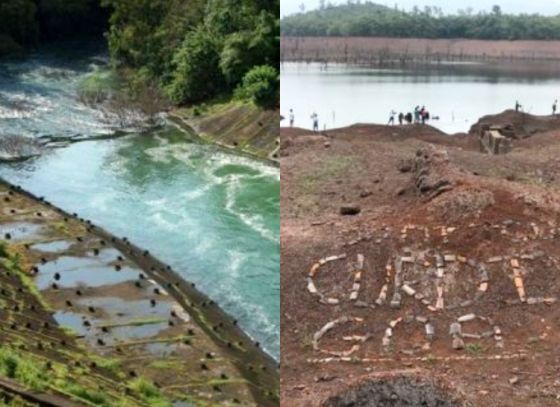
400 391
451 267
517 125
431 176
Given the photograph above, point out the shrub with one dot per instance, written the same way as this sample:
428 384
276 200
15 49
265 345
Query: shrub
261 85
197 75
148 392
3 250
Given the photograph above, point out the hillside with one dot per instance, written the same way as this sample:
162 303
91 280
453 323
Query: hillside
442 288
372 20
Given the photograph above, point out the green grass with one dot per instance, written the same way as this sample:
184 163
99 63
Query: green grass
12 263
166 364
474 348
112 365
93 396
136 322
327 169
61 227
24 371
15 402
3 249
29 372
148 392
97 86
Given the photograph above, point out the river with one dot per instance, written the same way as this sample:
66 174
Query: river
214 216
458 94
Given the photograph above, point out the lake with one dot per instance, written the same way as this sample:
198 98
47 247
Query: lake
459 94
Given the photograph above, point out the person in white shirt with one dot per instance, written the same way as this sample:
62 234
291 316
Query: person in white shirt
315 119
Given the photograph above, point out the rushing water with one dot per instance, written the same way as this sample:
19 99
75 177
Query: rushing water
214 216
459 94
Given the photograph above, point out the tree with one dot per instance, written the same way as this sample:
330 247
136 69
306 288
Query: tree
496 10
245 49
197 75
18 21
261 85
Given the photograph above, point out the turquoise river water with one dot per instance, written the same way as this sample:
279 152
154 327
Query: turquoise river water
212 215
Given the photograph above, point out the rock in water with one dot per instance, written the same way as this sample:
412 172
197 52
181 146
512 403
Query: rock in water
18 148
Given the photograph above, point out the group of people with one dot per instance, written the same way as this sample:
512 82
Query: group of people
518 107
420 115
314 118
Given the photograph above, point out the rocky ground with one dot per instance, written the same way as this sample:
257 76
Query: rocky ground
417 270
87 318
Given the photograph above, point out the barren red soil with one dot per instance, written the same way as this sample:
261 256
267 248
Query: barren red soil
421 194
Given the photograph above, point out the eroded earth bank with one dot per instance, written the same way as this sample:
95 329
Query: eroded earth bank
419 268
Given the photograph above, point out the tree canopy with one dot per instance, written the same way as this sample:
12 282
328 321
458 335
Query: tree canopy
372 20
29 22
192 49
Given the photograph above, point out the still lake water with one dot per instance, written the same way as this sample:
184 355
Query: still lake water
212 215
459 94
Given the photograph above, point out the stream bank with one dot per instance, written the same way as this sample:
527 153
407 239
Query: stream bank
238 126
122 304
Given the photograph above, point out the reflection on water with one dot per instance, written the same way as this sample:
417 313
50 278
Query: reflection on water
214 216
457 94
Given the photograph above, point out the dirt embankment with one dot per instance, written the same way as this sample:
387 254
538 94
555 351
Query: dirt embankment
242 127
89 317
442 288
380 51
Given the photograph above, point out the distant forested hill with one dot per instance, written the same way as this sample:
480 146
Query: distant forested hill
357 19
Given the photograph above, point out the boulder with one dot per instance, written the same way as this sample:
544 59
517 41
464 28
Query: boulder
350 209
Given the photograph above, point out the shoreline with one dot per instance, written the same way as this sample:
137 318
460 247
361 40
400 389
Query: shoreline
183 125
386 50
206 314
239 127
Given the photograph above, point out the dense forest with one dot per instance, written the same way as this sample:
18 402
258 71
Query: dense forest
368 19
192 50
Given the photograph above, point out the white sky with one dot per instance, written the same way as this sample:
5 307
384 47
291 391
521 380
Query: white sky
549 7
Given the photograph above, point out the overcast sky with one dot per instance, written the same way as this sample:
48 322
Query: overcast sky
550 7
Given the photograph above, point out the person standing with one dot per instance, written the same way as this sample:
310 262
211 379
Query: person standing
517 106
401 118
392 117
417 114
408 118
554 107
315 119
292 118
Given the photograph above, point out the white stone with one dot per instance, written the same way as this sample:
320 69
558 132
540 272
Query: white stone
450 258
455 329
408 289
360 261
311 286
466 318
